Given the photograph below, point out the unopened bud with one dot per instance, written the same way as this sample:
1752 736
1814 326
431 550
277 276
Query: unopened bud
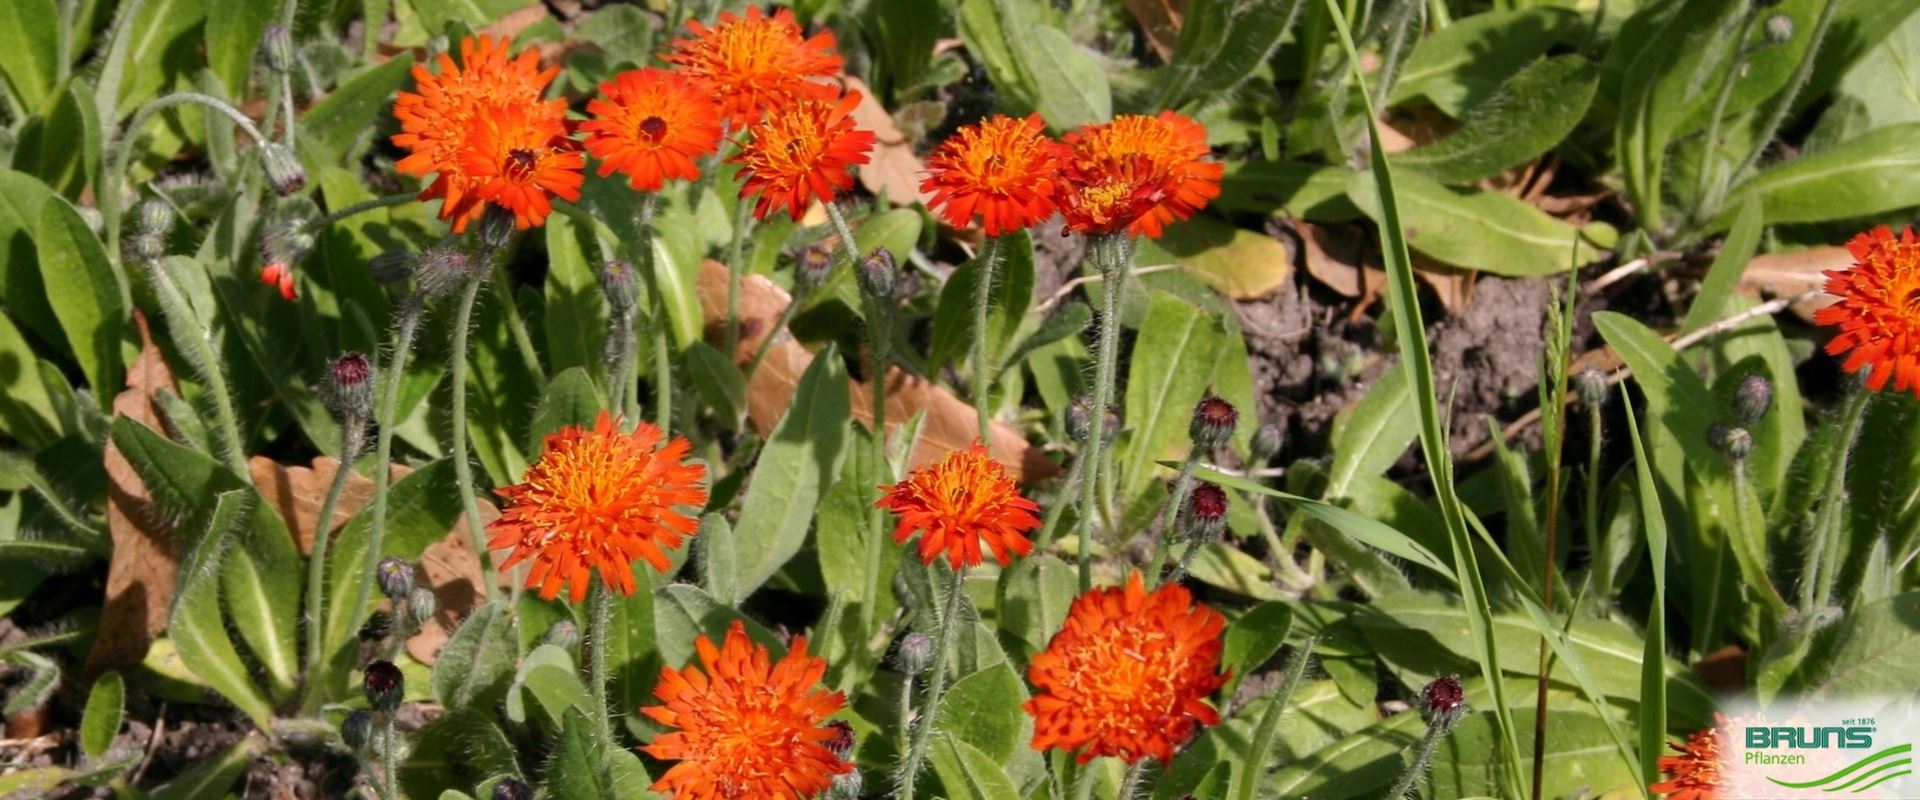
1213 422
440 270
1267 442
878 275
1443 702
395 577
391 266
1591 383
278 46
422 604
284 172
1207 511
816 263
842 742
1779 29
155 222
846 786
512 789
348 393
356 729
1732 441
1751 398
916 653
384 685
564 635
496 227
621 285
286 238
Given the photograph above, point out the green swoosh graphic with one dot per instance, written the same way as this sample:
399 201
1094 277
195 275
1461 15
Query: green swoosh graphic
1894 750
1898 762
1881 781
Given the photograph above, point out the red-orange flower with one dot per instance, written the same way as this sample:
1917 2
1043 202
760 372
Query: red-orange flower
448 108
1128 675
281 276
755 64
800 153
1001 168
1879 309
519 158
596 500
651 126
1138 173
1696 771
745 727
957 503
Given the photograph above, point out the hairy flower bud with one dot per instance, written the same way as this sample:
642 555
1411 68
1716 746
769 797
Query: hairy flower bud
846 786
1206 511
1751 398
348 393
1732 441
284 172
1591 383
878 276
440 270
1080 420
384 685
621 284
1444 701
422 604
564 635
395 577
149 241
1267 442
816 263
512 789
356 729
496 227
277 44
916 653
842 742
1213 422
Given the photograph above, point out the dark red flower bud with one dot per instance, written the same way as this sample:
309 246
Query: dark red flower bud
842 742
1443 701
1213 422
1207 511
385 686
348 392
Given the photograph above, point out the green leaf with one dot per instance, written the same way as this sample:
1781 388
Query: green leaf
1529 115
330 129
801 456
1660 56
21 196
576 309
548 674
1653 657
717 551
1459 66
1479 229
967 773
1370 532
721 384
984 710
1007 305
106 704
1253 638
26 409
1035 595
438 15
196 625
576 771
159 50
461 748
212 777
1873 651
1057 77
266 611
633 662
623 32
341 287
63 147
234 28
476 664
1222 44
1715 298
1161 390
29 38
1314 192
1871 174
86 295
1576 757
1368 439
682 612
571 399
1240 263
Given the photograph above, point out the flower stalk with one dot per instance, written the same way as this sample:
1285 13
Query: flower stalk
600 627
982 303
353 437
462 462
195 343
949 623
1111 256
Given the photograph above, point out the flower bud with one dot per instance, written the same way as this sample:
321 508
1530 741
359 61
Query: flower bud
842 742
356 729
422 604
440 270
1751 398
1267 442
916 653
816 263
496 227
621 285
878 275
1779 29
348 393
846 786
284 172
1213 422
512 789
564 635
1080 419
384 685
1732 441
391 266
1444 701
1591 383
278 47
1206 511
395 577
149 241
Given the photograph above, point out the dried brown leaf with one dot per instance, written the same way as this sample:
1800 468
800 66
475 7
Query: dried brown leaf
1342 260
893 170
1789 274
1160 21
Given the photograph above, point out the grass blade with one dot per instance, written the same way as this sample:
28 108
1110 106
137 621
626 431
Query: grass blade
1653 684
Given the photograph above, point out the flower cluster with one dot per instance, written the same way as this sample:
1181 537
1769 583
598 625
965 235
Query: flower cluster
1878 312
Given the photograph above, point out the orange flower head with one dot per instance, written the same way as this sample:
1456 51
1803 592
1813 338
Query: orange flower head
1138 173
744 726
959 502
447 107
280 275
1696 771
1002 169
755 64
1128 675
1879 309
651 125
520 158
801 153
596 500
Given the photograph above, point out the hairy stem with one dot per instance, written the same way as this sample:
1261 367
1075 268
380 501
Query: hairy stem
982 303
1824 558
1131 783
936 686
1783 103
742 217
353 437
601 626
1706 190
462 466
1110 259
391 377
661 337
1182 485
109 199
1422 755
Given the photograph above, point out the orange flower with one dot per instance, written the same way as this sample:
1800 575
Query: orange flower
1138 173
960 501
746 727
1001 168
519 158
756 64
1128 675
651 126
1879 309
1696 771
800 153
280 275
597 500
447 109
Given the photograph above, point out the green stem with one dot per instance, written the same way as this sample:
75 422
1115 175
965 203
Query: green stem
742 217
622 394
1823 559
662 344
195 341
1783 104
1706 190
1056 510
517 327
1131 783
1422 755
390 379
601 627
1083 781
383 201
936 686
462 463
390 756
1110 258
109 200
353 435
878 319
1596 539
1181 487
982 303
766 342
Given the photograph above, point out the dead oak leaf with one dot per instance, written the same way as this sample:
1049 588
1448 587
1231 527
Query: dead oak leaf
1789 274
893 170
